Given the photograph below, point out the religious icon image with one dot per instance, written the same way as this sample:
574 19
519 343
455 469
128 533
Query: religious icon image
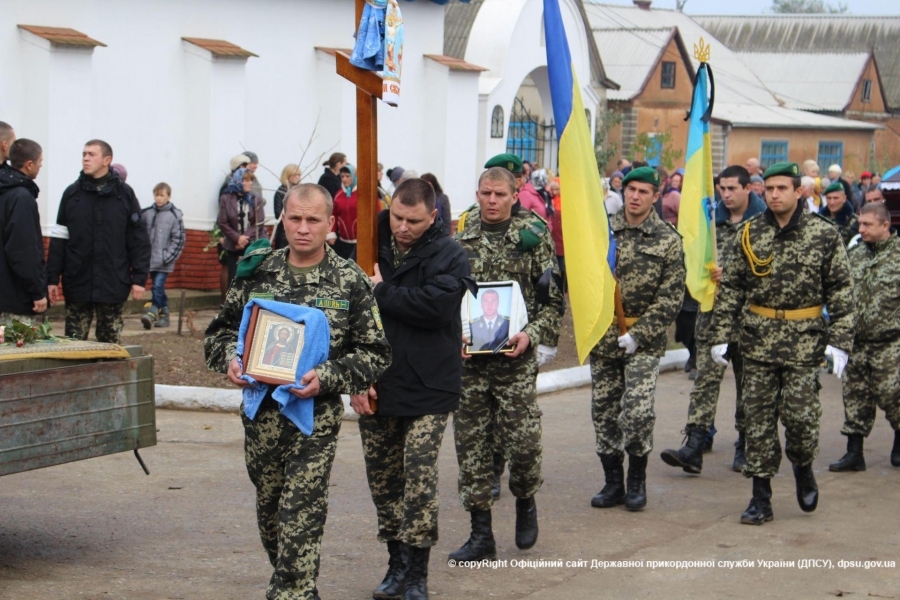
272 348
489 319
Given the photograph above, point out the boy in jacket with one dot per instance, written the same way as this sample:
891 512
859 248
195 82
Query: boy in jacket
166 230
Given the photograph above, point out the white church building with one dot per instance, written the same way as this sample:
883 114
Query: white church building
178 88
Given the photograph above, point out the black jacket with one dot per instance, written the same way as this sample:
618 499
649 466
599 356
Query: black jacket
280 235
330 182
419 304
108 249
22 273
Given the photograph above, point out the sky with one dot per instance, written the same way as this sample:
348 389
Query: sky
755 7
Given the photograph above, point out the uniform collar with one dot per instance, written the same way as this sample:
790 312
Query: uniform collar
328 269
795 221
883 245
648 226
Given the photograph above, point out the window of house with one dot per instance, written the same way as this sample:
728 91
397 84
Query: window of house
830 153
668 75
773 151
867 90
587 115
497 122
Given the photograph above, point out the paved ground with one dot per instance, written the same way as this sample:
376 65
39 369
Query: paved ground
101 529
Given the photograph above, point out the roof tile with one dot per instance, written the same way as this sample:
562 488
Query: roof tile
220 47
62 36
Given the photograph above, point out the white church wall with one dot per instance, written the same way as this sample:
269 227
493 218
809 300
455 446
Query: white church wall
142 92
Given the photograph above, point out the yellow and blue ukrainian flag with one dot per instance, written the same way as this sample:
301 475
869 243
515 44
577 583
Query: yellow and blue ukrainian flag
696 214
590 246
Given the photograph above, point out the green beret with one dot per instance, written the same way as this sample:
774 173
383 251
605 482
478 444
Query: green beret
643 175
787 169
510 162
834 187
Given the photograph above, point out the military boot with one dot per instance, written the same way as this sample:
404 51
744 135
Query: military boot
499 466
739 458
526 523
636 496
690 456
760 509
613 493
417 575
481 541
854 460
150 315
163 320
710 436
316 594
392 585
895 451
807 490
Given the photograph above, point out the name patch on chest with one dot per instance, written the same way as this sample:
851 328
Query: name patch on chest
261 296
331 303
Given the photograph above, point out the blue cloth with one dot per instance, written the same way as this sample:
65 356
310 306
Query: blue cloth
317 343
368 52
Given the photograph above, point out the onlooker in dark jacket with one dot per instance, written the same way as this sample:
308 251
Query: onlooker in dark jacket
290 176
441 202
166 230
331 178
7 137
241 217
420 281
23 278
99 246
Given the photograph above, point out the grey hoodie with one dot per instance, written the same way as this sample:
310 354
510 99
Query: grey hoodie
166 231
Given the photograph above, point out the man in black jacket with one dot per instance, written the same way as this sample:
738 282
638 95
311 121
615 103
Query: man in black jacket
22 275
420 280
99 246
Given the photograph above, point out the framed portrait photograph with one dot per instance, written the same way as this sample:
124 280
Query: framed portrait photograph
272 347
488 319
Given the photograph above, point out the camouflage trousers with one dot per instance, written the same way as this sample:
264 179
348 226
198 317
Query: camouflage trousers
401 465
786 392
505 389
109 320
622 396
290 472
6 319
705 393
872 378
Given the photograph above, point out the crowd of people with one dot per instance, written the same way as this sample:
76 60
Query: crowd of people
789 296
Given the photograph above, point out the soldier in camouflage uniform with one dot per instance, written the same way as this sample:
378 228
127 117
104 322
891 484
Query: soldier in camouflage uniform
840 211
624 367
504 246
789 266
872 377
738 204
289 469
420 281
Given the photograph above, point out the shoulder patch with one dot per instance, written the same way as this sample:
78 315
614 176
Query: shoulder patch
823 217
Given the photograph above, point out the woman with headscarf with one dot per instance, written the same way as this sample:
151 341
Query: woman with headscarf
241 218
345 213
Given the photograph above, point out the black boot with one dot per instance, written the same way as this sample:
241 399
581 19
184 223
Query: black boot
760 509
710 435
526 523
690 456
613 493
481 542
499 466
739 458
854 460
163 320
316 594
895 451
636 497
394 580
417 575
149 317
807 490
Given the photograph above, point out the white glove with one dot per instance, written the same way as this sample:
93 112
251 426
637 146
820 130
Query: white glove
627 342
839 358
718 354
545 354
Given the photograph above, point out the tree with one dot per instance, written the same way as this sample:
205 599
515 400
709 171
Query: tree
807 7
654 147
604 149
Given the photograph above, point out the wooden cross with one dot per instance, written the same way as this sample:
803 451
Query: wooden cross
368 88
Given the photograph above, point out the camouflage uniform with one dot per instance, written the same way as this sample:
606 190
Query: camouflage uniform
290 470
872 377
498 387
109 321
705 393
809 268
650 269
405 492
